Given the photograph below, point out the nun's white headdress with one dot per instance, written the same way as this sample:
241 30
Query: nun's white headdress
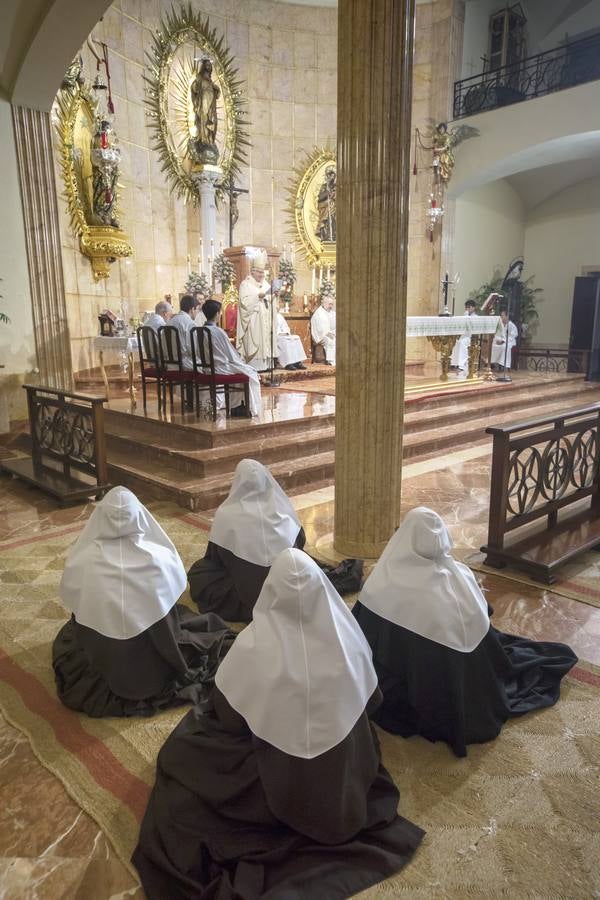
301 673
419 585
256 521
123 574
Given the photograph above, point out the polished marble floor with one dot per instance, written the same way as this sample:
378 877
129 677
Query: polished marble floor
50 849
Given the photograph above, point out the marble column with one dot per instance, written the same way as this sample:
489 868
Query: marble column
207 180
374 104
33 141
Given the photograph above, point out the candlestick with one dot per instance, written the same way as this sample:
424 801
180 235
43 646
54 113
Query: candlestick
305 302
189 263
220 246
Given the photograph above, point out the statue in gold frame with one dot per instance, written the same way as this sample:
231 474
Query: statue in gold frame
89 162
312 207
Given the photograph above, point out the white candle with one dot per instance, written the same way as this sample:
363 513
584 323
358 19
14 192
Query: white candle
313 281
189 263
220 246
210 269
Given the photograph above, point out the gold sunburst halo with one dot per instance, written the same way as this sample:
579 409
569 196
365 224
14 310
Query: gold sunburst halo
167 91
302 211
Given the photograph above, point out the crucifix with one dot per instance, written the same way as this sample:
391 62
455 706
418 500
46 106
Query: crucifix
445 285
233 192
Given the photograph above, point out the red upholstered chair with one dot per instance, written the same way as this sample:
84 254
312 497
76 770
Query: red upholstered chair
205 377
171 364
149 360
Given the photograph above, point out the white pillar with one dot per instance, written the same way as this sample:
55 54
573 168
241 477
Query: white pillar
207 179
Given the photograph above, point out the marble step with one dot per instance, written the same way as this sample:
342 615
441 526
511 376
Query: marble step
195 435
211 461
426 443
570 394
161 482
541 385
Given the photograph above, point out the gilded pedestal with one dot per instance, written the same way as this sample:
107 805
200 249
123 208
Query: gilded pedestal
374 100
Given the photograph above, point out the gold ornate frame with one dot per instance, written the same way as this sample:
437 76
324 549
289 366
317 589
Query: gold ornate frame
169 118
303 210
102 244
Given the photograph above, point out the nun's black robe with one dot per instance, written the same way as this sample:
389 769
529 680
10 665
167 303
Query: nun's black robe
232 818
223 583
460 698
172 662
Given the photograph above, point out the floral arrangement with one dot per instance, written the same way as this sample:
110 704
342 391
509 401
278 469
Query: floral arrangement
288 277
197 284
326 290
223 271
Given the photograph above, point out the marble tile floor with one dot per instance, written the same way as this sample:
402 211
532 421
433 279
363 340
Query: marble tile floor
60 853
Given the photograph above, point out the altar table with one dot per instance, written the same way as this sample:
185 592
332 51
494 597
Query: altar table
444 331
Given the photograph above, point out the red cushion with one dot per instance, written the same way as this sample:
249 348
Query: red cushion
178 376
151 372
222 379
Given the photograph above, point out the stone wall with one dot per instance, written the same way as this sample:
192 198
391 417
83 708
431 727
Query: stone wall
287 56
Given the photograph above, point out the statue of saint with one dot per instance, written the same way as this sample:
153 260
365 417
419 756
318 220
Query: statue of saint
105 174
443 156
204 94
326 229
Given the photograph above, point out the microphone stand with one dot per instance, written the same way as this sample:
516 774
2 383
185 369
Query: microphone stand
272 381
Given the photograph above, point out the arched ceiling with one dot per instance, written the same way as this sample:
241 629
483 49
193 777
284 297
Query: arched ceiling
38 40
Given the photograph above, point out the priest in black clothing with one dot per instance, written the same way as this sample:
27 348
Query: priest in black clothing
280 791
445 672
129 649
251 527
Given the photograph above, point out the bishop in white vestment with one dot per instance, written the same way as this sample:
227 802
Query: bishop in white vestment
257 321
322 329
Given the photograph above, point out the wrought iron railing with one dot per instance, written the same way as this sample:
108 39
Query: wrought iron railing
555 70
551 360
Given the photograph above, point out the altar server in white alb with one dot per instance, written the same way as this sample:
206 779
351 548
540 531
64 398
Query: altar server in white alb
322 328
229 362
290 351
163 311
460 353
257 320
501 356
189 315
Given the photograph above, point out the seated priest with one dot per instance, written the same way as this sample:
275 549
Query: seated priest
229 362
460 353
257 321
129 648
280 791
322 328
163 311
188 316
504 341
445 672
252 525
290 351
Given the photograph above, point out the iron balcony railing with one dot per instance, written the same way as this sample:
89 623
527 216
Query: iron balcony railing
554 70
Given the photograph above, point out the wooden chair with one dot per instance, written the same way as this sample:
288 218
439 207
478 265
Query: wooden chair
205 377
149 360
171 365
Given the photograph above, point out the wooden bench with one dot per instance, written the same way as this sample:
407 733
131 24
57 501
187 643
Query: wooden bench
541 468
68 449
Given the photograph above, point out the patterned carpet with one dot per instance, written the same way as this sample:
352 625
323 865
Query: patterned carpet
516 819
